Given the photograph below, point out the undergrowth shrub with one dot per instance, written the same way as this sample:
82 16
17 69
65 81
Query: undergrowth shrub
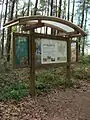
81 70
47 80
85 60
15 91
15 85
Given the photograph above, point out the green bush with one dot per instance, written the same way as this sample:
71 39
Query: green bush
84 59
50 79
45 81
15 91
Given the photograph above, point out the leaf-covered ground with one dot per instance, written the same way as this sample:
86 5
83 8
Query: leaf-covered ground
72 104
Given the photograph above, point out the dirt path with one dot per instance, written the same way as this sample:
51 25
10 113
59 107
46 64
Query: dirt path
72 104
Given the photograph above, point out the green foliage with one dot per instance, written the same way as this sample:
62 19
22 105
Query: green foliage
84 60
41 87
45 81
14 29
15 84
15 91
81 71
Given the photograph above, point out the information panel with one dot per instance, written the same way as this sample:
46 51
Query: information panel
48 51
53 51
21 50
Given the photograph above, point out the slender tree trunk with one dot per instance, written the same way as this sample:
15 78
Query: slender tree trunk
86 19
2 9
47 15
48 8
28 7
73 11
79 39
81 25
64 10
68 10
51 13
4 29
23 12
59 9
16 9
2 40
82 21
35 8
83 45
9 31
56 8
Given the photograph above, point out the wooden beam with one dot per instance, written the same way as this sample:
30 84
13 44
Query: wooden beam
77 52
48 18
75 35
32 26
11 24
53 37
55 19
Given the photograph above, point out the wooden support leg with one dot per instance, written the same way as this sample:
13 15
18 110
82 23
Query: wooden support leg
77 51
68 60
32 68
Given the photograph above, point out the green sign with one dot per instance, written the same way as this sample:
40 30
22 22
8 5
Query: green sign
21 50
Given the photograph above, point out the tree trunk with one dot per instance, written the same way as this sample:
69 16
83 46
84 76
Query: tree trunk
16 9
56 8
4 29
64 10
2 40
79 39
35 8
28 7
68 10
51 13
47 14
2 9
9 31
23 12
83 45
73 11
59 9
82 21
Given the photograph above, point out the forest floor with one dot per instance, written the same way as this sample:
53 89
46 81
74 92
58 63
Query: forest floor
71 104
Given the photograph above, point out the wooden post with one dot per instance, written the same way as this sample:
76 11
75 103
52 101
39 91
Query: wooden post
32 62
77 51
68 59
